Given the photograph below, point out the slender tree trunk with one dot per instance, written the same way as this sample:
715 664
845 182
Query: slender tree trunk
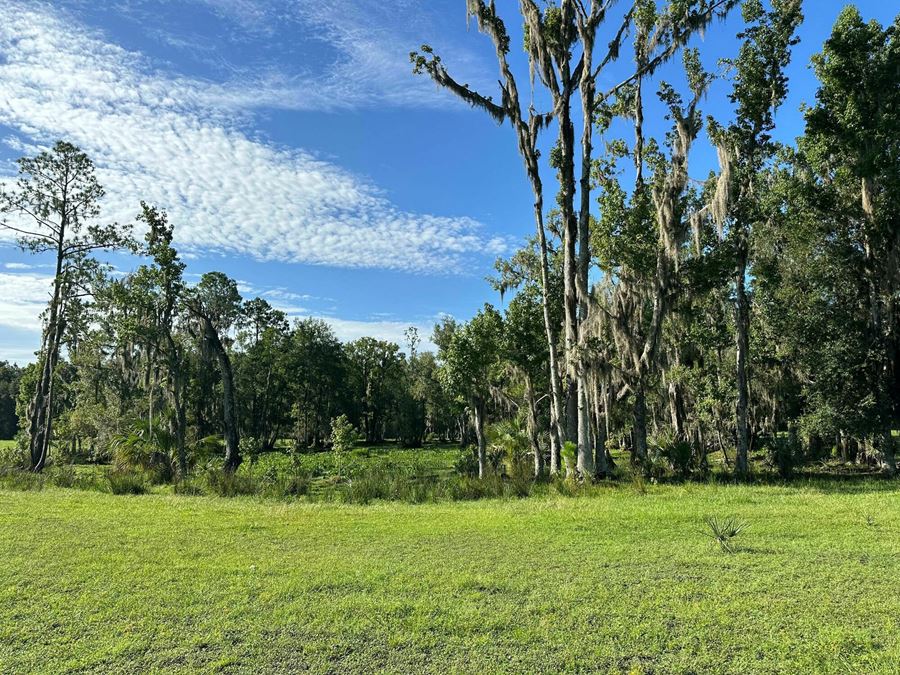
585 461
532 428
742 321
601 434
478 410
41 422
640 428
556 431
229 409
585 455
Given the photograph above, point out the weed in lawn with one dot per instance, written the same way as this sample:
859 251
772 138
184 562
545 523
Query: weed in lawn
724 531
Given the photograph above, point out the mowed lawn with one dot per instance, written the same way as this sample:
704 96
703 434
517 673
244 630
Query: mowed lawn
617 581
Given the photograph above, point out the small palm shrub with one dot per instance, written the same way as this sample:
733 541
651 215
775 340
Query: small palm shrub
783 454
127 482
678 454
146 447
723 531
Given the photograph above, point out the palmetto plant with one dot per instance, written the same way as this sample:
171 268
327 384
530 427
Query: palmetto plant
723 531
145 446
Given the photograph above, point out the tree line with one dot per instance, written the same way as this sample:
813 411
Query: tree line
651 313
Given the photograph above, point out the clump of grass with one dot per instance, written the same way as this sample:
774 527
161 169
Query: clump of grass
724 531
188 487
126 482
467 488
63 476
24 481
229 484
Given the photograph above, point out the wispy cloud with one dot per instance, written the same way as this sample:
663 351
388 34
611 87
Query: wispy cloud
174 141
25 297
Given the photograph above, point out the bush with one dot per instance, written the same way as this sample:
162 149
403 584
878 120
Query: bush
25 481
783 454
368 487
13 458
189 488
464 488
127 482
520 486
229 484
679 455
467 463
63 476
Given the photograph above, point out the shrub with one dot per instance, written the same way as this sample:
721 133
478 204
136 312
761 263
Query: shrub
229 484
368 487
464 488
678 454
13 458
63 475
520 486
724 531
783 454
126 482
24 481
189 488
467 463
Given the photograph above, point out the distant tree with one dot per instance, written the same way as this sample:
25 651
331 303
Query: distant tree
318 374
853 135
52 208
215 304
10 376
261 370
376 369
745 145
467 366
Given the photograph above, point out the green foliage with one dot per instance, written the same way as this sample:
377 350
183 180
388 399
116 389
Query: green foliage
229 484
466 463
127 481
343 435
724 530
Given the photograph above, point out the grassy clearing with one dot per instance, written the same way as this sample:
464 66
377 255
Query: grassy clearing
614 582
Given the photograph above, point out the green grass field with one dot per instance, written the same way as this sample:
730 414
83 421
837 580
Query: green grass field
617 581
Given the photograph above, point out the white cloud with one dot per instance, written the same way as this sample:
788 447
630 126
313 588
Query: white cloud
24 296
176 142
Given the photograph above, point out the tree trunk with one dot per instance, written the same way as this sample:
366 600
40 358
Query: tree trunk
40 426
742 327
229 409
532 428
586 464
640 428
585 458
478 410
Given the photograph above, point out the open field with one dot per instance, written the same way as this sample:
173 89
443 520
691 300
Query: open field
616 581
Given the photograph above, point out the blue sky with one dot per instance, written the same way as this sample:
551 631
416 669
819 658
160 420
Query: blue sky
294 149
